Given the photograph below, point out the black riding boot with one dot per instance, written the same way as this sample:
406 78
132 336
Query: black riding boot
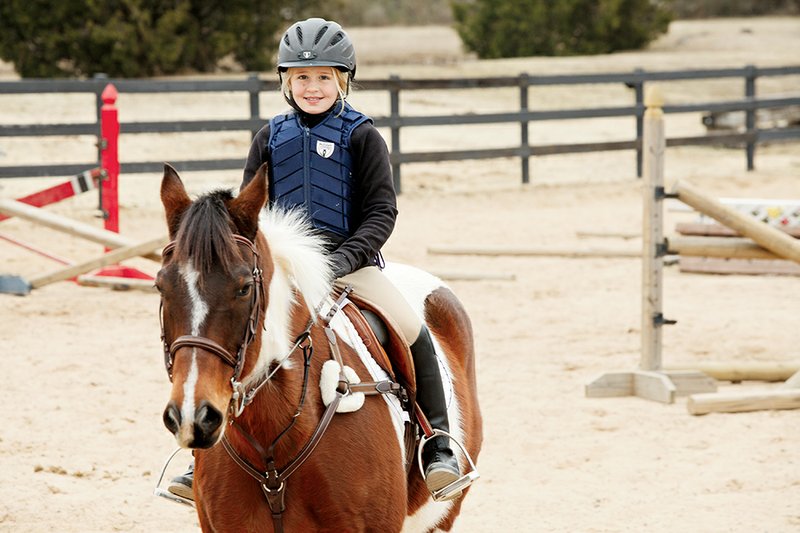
438 461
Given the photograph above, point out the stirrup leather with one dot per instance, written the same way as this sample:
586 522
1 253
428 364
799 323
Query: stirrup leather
456 486
158 491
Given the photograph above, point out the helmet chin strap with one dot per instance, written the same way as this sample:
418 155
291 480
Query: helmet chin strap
292 103
289 99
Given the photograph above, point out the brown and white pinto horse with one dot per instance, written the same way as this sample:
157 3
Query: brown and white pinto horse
243 290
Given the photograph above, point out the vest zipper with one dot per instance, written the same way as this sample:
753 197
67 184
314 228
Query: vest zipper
306 169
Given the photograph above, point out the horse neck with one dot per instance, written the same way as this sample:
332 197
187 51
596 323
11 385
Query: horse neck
276 404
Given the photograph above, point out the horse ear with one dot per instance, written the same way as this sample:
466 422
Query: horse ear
246 207
175 199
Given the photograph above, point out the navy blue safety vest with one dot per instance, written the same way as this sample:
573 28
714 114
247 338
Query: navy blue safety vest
313 167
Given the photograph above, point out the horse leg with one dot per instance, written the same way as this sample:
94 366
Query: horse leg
450 324
202 515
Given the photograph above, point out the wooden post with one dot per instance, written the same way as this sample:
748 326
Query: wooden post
109 125
750 115
524 141
109 158
639 89
650 381
255 105
394 115
652 231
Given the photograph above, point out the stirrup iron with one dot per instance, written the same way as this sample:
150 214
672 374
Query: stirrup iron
158 491
456 486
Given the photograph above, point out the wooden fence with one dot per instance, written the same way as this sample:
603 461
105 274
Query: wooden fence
395 121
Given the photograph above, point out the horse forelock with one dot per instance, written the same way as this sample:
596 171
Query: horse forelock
205 237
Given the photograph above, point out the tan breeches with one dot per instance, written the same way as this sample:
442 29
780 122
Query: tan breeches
371 284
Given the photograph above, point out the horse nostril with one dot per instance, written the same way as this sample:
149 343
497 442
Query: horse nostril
208 419
172 418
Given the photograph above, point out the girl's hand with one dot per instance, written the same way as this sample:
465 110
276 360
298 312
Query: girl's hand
340 266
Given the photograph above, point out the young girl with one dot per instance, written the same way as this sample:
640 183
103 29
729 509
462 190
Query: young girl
328 159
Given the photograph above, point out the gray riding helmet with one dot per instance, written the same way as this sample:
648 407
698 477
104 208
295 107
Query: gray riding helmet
316 42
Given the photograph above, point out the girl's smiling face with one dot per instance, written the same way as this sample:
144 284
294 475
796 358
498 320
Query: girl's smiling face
314 89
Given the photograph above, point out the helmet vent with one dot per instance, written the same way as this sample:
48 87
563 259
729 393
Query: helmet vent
320 33
336 38
299 31
286 40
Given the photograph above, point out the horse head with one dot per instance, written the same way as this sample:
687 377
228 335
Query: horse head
212 284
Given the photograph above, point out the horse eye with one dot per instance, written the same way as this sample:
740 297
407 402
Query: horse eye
244 291
157 283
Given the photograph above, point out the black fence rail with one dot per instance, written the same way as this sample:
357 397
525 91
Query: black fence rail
395 121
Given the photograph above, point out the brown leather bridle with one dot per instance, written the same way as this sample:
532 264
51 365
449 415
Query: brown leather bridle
236 362
273 480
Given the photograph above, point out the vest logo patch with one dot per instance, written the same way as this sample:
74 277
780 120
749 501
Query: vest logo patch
325 149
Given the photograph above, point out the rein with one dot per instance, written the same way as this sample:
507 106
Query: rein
273 480
256 305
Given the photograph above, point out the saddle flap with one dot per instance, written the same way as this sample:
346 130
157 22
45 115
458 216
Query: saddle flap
396 358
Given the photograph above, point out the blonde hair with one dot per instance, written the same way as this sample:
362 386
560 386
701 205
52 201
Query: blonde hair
342 84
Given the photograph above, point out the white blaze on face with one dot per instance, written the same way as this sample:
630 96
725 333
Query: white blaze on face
199 307
199 310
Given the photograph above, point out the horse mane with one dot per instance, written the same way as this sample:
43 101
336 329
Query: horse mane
205 239
300 267
205 235
298 252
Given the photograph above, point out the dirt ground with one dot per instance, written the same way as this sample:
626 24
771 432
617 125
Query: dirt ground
83 385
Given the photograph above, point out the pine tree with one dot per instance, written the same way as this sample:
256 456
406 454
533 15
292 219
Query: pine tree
136 38
516 28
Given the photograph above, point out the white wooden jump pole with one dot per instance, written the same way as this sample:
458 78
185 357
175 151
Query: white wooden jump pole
109 258
67 225
651 381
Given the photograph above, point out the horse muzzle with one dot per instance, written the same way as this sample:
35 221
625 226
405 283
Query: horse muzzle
202 429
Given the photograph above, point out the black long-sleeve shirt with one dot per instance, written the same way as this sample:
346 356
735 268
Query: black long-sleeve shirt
374 201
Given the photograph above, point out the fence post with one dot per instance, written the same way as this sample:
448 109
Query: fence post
109 158
101 80
652 232
525 149
394 121
750 115
255 106
638 87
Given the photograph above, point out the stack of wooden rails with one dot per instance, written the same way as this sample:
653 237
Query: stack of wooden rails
781 214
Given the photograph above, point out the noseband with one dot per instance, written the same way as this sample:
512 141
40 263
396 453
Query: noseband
194 341
272 481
